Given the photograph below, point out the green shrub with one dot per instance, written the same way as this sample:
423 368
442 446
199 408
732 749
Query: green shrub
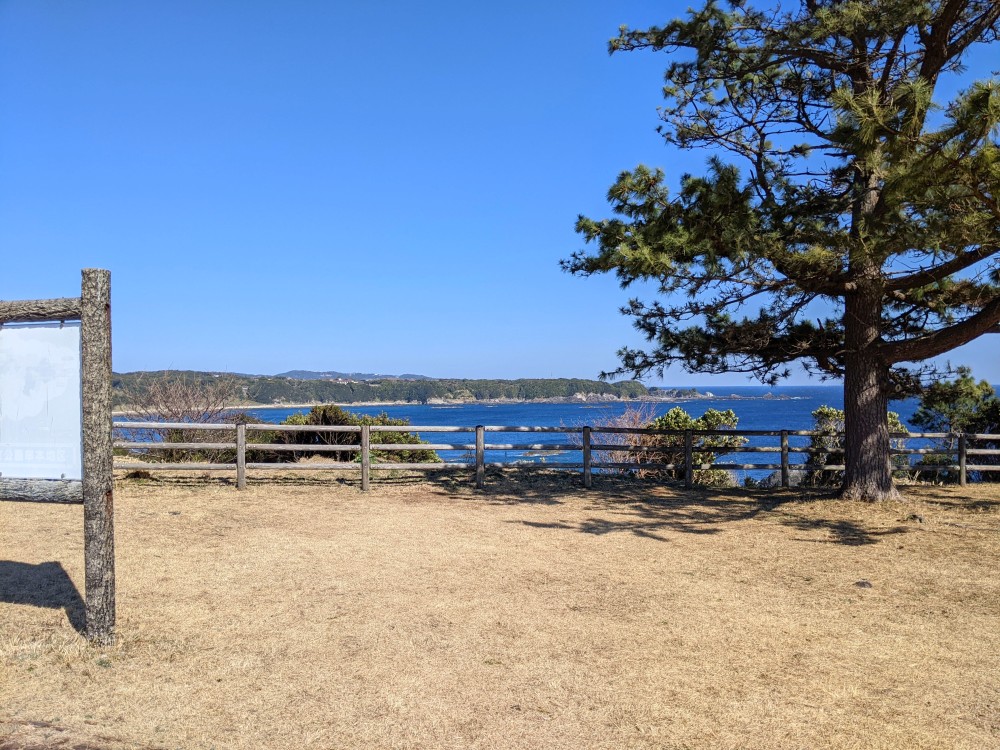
330 415
707 448
960 405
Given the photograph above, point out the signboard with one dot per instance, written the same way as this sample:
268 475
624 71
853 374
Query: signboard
40 406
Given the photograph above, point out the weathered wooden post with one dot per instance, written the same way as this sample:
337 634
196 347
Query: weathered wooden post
587 478
784 459
98 480
366 457
241 456
688 459
480 457
962 460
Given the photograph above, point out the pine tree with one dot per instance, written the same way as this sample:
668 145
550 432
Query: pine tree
862 234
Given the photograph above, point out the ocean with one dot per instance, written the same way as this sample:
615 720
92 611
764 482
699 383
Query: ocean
757 407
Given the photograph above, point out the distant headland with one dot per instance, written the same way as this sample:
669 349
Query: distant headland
306 387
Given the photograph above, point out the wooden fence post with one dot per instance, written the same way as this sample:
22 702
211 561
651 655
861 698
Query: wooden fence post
241 456
587 478
688 459
784 458
98 480
480 457
962 459
366 457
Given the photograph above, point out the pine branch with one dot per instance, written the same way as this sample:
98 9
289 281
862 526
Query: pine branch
944 339
943 270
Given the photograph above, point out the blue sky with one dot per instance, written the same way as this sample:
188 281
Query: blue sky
369 186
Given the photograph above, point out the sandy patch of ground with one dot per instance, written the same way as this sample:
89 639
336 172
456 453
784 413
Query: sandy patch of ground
302 613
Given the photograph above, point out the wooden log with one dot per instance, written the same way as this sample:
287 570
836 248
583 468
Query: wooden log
587 459
632 466
40 310
422 428
423 467
784 459
294 448
158 446
501 428
317 466
42 490
366 457
98 479
688 459
627 448
530 447
174 426
741 467
962 460
636 431
423 446
299 428
187 466
532 465
480 457
241 456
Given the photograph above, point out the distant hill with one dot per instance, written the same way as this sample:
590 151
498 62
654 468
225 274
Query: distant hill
348 388
356 376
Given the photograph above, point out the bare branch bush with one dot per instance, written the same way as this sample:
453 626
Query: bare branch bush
668 448
634 417
182 397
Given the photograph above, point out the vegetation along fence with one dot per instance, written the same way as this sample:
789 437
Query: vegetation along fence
681 453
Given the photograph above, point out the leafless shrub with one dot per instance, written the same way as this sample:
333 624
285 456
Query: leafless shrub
635 417
667 448
183 397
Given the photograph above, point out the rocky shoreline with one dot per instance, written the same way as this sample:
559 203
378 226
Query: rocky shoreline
577 399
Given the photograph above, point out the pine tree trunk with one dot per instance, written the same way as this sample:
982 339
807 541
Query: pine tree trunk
868 472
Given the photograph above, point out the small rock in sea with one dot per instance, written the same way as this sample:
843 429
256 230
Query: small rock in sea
863 584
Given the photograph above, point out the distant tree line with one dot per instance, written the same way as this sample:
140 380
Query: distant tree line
280 390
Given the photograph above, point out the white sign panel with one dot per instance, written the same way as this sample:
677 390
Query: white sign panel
40 414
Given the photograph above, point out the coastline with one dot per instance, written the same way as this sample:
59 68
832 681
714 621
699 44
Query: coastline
497 401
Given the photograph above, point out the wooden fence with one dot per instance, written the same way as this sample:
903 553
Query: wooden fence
582 442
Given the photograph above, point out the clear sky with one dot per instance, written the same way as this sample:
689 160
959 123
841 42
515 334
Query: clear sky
378 186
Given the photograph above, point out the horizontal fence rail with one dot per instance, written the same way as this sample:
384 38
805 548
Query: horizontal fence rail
147 438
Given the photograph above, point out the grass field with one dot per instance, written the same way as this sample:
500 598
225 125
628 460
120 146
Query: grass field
302 613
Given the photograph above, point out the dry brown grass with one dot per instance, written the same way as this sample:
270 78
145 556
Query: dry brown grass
302 613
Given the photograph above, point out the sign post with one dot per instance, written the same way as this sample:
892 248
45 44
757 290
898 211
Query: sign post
98 480
55 423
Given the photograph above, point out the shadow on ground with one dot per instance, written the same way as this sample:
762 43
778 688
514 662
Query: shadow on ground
848 533
43 585
620 504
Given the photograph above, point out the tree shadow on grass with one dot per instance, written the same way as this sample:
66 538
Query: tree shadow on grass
844 532
644 507
650 509
43 585
980 497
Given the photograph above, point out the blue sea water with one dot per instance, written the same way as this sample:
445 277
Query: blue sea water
757 407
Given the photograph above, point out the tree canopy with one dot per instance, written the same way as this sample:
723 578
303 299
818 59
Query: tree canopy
848 219
959 405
